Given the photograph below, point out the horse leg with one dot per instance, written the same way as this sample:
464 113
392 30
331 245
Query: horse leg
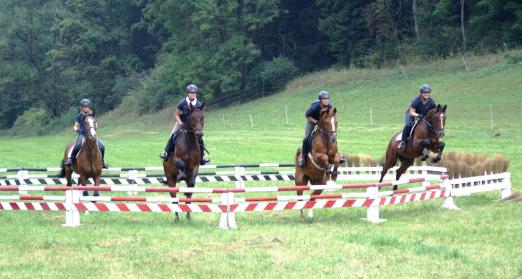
191 182
171 182
441 146
96 183
300 180
82 181
405 164
426 149
68 175
390 160
310 215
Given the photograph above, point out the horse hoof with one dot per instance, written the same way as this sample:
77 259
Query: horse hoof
189 218
309 220
424 158
435 160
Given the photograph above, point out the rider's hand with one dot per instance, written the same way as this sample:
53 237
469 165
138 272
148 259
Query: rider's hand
420 116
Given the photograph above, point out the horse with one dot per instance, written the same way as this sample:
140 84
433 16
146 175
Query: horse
427 135
185 158
88 163
322 156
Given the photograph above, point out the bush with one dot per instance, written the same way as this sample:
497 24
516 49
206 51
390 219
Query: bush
272 75
33 121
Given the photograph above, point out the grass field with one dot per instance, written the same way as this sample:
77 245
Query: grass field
418 240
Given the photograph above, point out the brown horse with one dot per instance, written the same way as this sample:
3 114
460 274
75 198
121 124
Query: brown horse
185 158
427 135
322 156
89 162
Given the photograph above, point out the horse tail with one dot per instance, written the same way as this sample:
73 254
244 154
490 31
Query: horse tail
62 169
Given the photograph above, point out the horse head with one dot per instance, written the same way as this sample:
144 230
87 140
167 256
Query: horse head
328 123
196 120
90 126
437 119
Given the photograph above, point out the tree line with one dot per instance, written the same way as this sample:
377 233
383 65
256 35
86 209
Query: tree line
141 53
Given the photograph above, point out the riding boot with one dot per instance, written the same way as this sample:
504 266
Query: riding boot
404 137
101 146
77 147
170 145
202 159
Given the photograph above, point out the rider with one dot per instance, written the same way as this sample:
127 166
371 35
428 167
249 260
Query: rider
79 127
182 114
418 109
312 118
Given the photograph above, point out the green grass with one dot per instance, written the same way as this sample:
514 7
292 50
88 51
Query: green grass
418 240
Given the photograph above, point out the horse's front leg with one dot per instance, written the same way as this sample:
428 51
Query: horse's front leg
82 181
96 183
191 183
439 151
425 143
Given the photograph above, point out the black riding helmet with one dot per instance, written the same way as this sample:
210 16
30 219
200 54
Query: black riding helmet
323 95
425 88
192 88
85 103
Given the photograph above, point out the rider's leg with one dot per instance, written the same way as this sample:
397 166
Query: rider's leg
203 160
405 131
73 152
170 143
308 130
101 146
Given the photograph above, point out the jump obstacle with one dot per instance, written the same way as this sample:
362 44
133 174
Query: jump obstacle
229 201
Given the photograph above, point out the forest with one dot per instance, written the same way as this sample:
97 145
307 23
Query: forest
140 54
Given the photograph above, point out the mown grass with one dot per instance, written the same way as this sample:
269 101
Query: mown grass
418 239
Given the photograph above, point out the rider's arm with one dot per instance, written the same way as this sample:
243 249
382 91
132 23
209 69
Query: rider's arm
311 120
178 118
413 113
76 126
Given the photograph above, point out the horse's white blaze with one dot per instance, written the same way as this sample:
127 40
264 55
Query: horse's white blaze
93 132
441 122
333 123
91 124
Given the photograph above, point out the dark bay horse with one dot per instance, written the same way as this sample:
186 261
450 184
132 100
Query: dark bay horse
89 162
322 156
185 157
427 135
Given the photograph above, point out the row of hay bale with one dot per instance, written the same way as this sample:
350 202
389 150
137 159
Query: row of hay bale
459 164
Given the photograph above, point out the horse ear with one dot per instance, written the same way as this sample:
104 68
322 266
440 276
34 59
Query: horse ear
438 107
202 105
334 110
323 112
444 108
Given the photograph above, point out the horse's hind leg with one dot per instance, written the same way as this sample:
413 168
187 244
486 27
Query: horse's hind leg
390 160
300 180
82 181
405 164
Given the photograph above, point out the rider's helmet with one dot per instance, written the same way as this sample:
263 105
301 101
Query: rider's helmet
85 103
323 95
192 88
425 88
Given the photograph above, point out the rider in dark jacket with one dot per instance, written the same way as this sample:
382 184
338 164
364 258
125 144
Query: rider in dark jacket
182 114
419 107
79 127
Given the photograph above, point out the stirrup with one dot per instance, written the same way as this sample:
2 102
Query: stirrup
164 156
204 161
105 165
301 163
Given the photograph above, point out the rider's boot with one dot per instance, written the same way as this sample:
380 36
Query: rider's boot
102 150
164 156
202 159
404 138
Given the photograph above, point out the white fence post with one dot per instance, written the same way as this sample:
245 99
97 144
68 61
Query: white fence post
448 200
72 215
133 175
506 189
372 215
239 171
427 181
22 176
227 219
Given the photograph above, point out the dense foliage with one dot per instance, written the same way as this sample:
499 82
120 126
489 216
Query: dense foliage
55 52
